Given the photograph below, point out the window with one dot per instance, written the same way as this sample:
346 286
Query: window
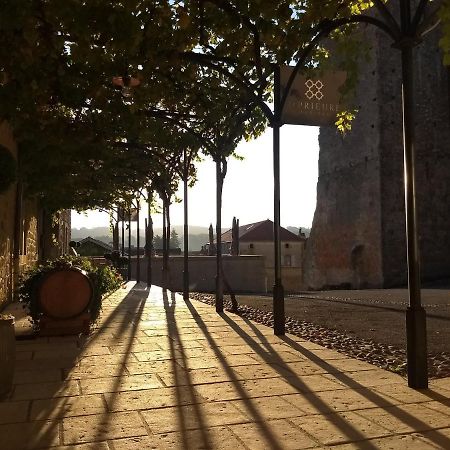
286 245
250 246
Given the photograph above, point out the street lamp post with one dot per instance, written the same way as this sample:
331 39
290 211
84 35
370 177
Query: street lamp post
138 245
278 290
416 333
149 237
406 36
185 227
129 243
123 229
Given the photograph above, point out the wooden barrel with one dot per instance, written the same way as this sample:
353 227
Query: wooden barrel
65 293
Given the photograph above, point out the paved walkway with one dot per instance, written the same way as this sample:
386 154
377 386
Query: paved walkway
162 373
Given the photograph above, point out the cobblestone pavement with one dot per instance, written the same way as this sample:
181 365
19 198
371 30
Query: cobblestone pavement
162 373
368 324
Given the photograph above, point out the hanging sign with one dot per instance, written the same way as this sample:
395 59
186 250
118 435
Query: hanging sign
312 100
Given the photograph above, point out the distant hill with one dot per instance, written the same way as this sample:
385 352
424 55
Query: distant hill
198 235
81 233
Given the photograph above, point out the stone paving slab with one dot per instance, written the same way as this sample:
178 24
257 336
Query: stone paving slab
162 373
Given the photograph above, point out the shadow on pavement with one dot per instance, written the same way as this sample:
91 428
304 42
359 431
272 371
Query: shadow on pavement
295 381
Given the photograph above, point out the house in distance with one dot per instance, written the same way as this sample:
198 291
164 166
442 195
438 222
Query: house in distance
93 247
257 239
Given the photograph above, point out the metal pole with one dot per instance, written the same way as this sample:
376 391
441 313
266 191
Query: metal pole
278 291
165 248
116 244
219 288
138 244
150 240
185 230
416 335
129 244
146 247
123 231
18 225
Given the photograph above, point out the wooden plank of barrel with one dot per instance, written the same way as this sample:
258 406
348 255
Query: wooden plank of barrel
65 293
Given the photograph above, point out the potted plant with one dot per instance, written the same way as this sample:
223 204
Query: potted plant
7 353
102 280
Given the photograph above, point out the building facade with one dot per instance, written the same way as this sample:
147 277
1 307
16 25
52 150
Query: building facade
358 233
257 239
27 233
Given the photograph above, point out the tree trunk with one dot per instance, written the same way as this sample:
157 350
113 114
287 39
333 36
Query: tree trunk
220 175
138 246
116 236
230 292
123 230
164 237
149 239
129 243
168 234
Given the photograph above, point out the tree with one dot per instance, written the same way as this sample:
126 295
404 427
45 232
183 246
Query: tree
157 242
174 240
56 91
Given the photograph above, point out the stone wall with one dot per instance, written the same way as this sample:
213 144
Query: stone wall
343 247
18 230
25 230
55 234
358 234
291 275
244 273
291 278
7 207
433 164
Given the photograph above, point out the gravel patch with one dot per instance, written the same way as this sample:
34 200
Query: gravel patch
386 356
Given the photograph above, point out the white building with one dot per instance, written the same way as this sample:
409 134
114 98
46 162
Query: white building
257 239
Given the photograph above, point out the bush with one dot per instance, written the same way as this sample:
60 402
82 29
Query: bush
119 262
104 281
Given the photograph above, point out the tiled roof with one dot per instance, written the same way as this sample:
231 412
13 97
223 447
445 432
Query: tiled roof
97 242
260 231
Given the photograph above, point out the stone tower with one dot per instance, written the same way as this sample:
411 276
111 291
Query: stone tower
358 233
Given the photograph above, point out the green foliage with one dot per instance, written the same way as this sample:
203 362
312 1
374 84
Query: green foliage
104 279
8 169
344 120
205 72
157 242
174 239
444 15
118 261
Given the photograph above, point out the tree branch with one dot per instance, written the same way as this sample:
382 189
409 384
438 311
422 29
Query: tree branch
431 20
388 17
419 15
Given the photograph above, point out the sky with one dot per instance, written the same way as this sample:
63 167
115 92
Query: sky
248 186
